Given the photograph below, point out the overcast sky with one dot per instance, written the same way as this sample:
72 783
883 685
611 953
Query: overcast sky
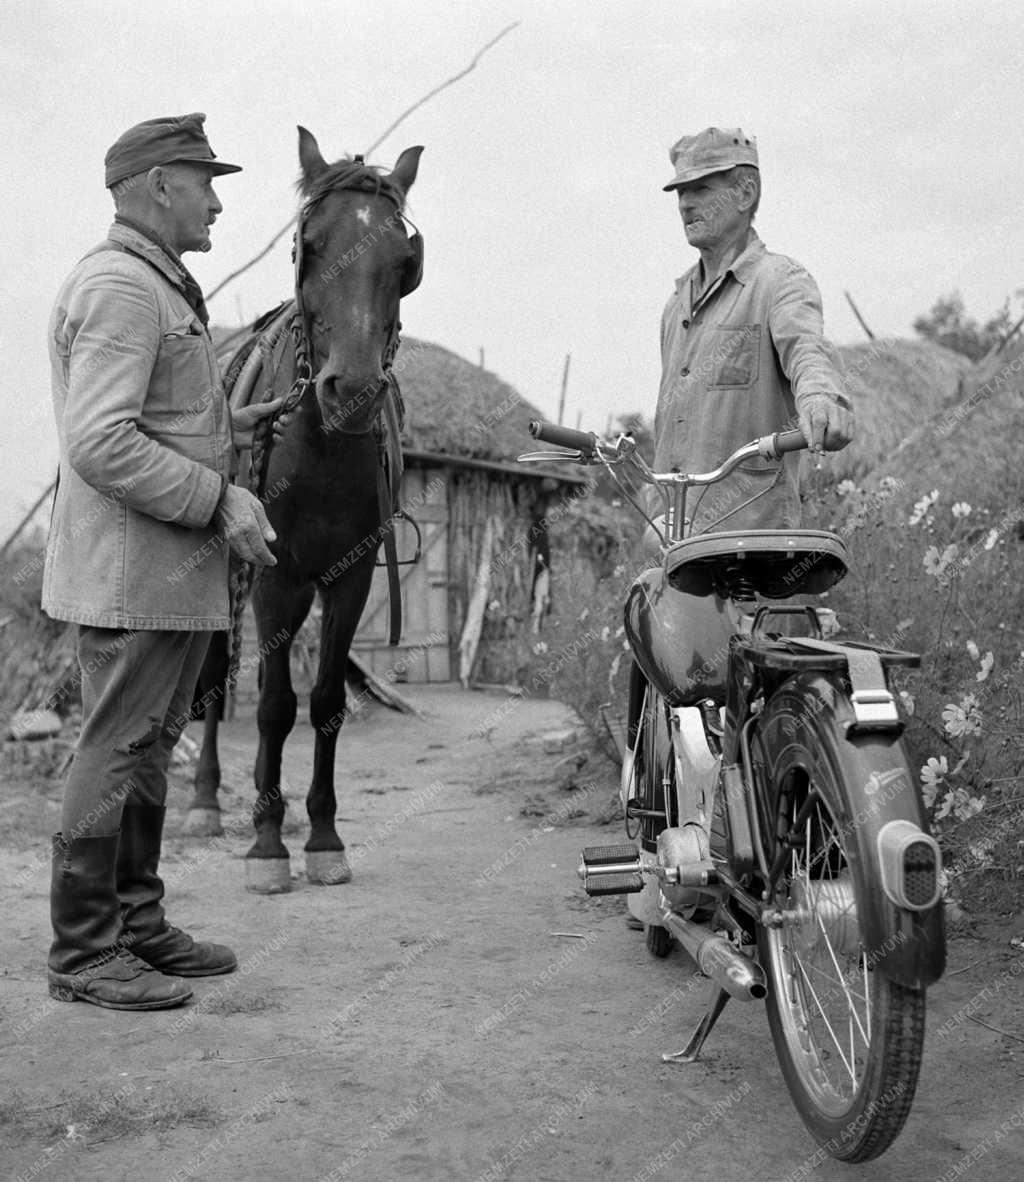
889 137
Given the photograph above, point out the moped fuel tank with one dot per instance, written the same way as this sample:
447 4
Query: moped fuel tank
680 641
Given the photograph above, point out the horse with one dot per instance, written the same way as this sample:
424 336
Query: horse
328 478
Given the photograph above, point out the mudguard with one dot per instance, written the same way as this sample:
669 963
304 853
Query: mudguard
866 781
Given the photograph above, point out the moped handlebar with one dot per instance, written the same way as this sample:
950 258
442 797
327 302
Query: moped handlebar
671 486
581 441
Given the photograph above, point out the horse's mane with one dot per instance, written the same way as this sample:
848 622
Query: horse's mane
350 174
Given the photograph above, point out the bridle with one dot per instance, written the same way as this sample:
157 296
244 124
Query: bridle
412 276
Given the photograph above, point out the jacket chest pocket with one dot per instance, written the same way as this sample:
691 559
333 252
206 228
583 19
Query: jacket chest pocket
735 359
182 389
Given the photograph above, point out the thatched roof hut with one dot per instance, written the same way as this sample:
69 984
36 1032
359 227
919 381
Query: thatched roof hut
478 595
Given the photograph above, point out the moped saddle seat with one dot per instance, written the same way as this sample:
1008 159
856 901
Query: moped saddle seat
774 563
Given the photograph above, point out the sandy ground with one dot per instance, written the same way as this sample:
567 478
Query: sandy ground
459 1011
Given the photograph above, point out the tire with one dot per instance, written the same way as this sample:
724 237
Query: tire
659 941
652 766
848 1039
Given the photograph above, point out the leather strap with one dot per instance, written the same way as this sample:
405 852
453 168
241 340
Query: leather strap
873 704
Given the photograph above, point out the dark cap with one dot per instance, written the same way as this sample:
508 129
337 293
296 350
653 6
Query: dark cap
175 139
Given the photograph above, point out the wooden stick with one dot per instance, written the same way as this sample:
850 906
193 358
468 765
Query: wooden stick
860 318
376 144
27 518
995 1029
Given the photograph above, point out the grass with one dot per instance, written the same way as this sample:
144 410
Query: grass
235 1002
98 1115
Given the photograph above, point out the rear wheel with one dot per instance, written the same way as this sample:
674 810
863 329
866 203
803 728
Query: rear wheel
848 1039
652 771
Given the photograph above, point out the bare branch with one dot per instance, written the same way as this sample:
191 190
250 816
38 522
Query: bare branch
376 144
444 85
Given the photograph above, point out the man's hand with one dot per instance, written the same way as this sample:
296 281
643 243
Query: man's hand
827 425
243 422
242 522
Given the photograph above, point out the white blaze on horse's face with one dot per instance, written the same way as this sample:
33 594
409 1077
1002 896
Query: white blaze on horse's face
363 215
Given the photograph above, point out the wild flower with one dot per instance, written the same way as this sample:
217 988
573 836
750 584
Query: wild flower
935 563
962 720
933 774
987 661
961 509
991 538
922 506
583 614
973 651
908 701
845 487
888 485
540 647
605 633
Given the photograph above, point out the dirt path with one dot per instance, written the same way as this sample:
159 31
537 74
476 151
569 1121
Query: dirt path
459 1011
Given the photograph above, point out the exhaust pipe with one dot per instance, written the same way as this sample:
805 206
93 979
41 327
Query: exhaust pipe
737 974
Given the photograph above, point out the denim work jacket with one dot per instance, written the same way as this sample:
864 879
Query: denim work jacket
145 448
736 363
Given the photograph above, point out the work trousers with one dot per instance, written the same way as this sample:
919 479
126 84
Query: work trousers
137 689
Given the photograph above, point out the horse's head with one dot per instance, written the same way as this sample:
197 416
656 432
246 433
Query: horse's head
354 261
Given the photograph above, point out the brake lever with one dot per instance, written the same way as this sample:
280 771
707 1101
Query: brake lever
546 457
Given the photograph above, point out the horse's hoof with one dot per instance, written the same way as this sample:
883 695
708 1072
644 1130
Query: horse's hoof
327 867
204 823
268 876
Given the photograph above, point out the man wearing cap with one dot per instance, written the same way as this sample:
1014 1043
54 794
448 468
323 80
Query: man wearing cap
137 557
742 345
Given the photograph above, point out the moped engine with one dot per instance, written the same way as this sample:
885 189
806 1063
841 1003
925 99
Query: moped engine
683 852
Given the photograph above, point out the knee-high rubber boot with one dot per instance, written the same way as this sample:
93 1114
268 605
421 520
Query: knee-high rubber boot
91 958
141 891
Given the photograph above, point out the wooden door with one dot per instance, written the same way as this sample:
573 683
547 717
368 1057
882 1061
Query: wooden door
424 652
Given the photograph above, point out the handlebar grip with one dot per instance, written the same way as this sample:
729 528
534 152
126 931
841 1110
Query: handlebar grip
784 441
562 436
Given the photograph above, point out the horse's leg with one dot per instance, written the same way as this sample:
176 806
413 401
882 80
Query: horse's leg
280 609
203 819
343 604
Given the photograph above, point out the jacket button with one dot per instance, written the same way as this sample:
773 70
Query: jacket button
684 372
686 324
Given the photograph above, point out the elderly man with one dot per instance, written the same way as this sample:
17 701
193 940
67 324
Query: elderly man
742 349
137 557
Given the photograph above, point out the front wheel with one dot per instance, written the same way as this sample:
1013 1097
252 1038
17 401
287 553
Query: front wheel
848 1039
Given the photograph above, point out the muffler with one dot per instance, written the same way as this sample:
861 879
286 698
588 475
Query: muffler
737 974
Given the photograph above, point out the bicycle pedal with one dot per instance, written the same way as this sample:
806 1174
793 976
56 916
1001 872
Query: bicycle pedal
611 870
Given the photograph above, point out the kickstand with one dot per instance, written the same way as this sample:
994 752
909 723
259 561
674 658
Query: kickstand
691 1051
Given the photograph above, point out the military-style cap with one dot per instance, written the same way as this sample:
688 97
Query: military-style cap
712 150
172 140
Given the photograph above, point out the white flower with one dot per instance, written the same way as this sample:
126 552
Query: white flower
922 506
605 632
845 487
540 647
933 774
934 771
583 614
972 650
908 701
961 509
619 570
991 538
961 721
987 661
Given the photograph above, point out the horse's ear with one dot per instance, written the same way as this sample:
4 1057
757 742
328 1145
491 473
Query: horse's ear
404 172
310 158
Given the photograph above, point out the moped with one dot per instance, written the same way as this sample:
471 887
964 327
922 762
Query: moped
781 837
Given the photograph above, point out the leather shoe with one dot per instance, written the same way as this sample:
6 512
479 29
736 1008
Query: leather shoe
173 951
120 982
